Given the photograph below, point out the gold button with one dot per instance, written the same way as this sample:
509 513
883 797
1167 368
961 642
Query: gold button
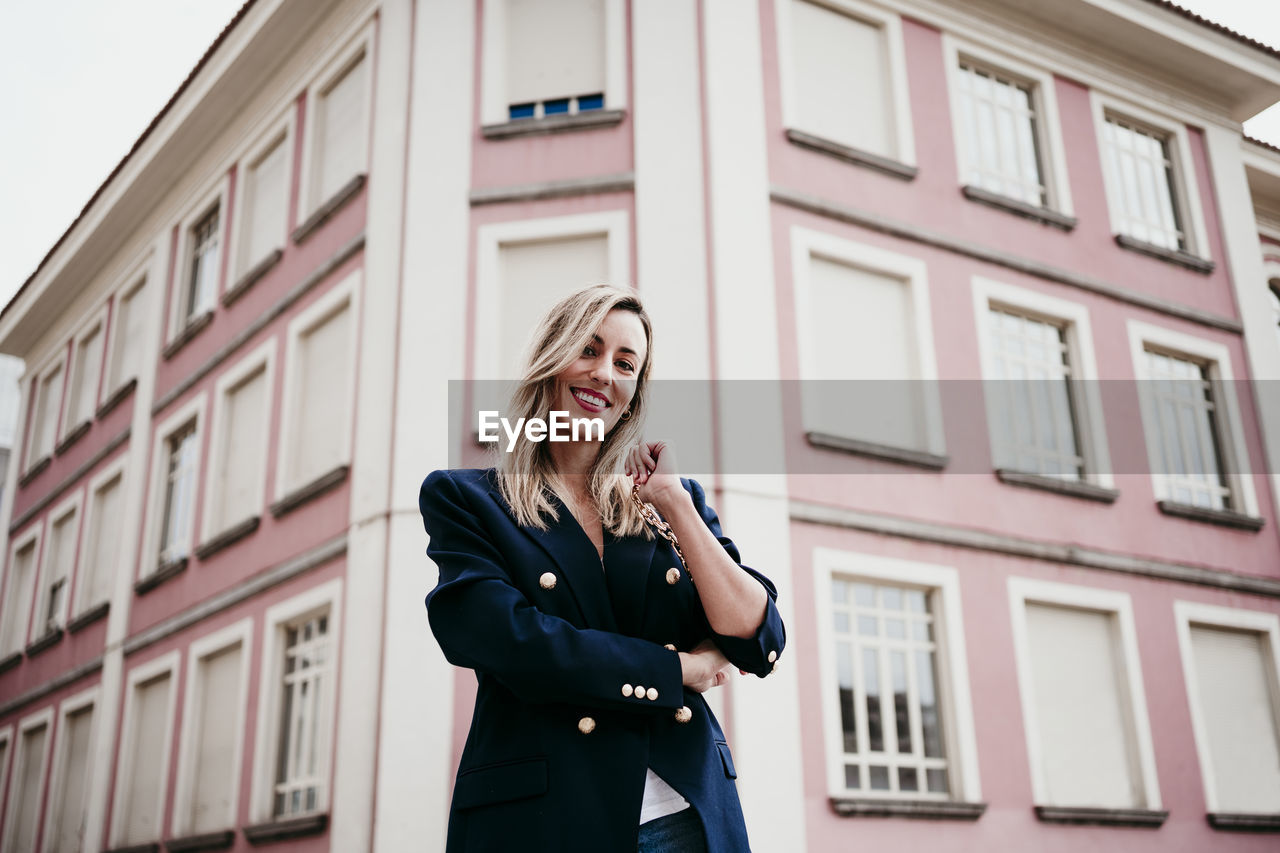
639 692
673 576
586 725
547 581
626 690
670 646
652 693
684 715
773 656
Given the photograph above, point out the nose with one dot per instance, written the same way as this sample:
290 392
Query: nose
601 371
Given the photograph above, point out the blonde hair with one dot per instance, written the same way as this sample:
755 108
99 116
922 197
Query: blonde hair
527 475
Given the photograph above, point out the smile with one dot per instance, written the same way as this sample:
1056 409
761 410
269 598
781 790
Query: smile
589 399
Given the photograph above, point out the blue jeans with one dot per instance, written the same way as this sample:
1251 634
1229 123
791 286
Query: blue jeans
674 833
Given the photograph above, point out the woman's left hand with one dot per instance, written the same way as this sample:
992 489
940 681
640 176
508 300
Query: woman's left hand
653 465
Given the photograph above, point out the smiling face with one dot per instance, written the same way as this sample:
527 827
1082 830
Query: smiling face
602 381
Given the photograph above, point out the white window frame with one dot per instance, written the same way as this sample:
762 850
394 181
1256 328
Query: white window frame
1254 621
167 663
348 290
43 717
493 51
58 361
271 672
116 468
895 51
73 504
1235 454
193 410
241 634
34 533
98 320
6 739
1186 191
1118 606
131 285
1044 99
263 358
615 225
214 195
1074 316
71 705
282 130
806 244
336 62
955 703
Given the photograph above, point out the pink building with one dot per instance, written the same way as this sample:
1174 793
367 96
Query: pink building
212 633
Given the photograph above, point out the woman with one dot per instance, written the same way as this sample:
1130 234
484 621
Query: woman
591 644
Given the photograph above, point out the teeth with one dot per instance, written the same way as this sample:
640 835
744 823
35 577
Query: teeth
598 402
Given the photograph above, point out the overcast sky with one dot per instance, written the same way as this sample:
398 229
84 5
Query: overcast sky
81 79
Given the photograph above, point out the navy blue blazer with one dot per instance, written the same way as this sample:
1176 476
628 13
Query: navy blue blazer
579 687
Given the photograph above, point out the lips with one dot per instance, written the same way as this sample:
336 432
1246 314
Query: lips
590 400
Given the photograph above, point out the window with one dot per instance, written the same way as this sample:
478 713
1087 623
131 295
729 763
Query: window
896 698
865 333
212 732
545 58
68 791
241 429
319 386
1078 672
337 134
1229 658
175 468
25 793
265 190
18 589
843 76
999 127
142 772
128 337
201 285
44 422
86 371
296 703
104 517
59 562
1273 292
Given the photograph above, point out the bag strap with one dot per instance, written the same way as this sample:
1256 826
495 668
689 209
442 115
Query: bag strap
650 515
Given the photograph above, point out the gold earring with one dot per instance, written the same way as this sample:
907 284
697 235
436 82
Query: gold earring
626 416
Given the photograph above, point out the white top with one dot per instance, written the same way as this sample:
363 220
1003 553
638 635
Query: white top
660 799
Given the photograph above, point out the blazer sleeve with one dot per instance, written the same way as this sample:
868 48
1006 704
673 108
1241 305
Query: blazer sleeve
758 653
483 622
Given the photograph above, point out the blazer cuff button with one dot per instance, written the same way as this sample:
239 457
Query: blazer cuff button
684 715
673 576
586 725
547 581
627 690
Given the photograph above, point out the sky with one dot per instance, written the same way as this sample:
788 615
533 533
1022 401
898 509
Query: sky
81 79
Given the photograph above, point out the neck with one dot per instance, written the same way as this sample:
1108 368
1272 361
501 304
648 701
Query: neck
573 461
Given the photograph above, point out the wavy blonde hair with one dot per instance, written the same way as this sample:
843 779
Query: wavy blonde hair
527 476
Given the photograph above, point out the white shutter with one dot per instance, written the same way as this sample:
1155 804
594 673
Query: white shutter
84 386
841 79
219 691
17 598
1240 718
25 800
127 329
555 49
864 329
61 560
324 395
242 454
102 542
265 210
68 822
141 799
534 276
1084 737
48 399
342 129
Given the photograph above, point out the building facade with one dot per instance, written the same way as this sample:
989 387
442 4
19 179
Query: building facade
238 362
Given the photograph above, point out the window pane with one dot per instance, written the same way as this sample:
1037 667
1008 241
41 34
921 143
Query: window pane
127 335
1142 174
100 550
84 380
265 188
45 422
70 802
554 49
301 759
202 276
1188 430
218 691
17 598
179 495
25 800
142 795
324 391
242 454
341 128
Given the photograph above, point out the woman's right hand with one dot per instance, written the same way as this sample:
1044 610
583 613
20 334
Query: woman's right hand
704 667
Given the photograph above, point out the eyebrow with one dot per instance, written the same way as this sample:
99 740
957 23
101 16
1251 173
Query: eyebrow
600 341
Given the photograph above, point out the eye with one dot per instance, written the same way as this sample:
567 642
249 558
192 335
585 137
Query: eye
588 350
626 365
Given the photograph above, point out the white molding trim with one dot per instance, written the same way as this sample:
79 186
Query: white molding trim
237 634
890 24
1255 621
33 536
327 595
1235 452
614 225
194 410
346 293
942 584
43 717
72 505
52 364
1119 607
350 49
1048 127
170 664
84 699
281 130
1186 189
261 360
807 244
96 319
118 467
1080 351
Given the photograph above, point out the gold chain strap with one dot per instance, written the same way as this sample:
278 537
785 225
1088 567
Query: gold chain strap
664 529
